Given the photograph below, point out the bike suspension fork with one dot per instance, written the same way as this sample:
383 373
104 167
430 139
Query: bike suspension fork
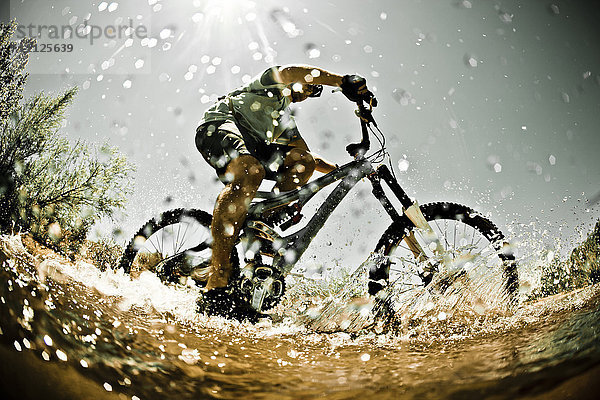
384 173
411 210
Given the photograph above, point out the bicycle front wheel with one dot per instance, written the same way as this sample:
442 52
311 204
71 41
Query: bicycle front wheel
173 246
474 250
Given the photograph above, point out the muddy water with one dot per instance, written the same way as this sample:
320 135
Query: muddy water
70 331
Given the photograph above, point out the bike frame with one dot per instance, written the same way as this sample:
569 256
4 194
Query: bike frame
258 238
290 248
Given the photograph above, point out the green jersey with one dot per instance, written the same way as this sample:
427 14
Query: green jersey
260 108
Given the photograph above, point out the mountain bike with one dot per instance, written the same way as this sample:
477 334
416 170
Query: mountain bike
421 241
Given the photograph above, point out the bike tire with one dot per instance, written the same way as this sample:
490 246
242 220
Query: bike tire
457 214
167 221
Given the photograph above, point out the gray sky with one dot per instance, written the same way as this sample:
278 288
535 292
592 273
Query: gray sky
495 104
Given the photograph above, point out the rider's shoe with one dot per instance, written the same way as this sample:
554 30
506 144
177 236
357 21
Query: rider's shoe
226 303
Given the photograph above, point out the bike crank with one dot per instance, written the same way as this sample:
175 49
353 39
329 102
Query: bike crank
261 286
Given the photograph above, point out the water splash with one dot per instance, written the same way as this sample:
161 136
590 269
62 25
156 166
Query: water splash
138 337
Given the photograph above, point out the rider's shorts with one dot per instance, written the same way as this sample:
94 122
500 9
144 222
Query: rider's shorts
219 143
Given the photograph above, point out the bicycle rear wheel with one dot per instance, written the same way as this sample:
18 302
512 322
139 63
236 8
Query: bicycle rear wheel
475 246
172 246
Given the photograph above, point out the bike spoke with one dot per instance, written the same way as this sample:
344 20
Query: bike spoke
162 241
183 239
176 241
454 238
442 234
478 241
153 245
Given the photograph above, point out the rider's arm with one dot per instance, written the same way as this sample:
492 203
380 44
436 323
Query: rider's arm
306 74
322 165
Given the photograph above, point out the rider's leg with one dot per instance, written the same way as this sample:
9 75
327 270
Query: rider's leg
230 212
297 169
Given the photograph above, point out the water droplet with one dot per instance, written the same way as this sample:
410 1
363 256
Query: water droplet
61 355
365 357
505 17
290 256
403 165
165 33
471 61
402 96
229 229
479 307
197 17
283 19
311 50
383 16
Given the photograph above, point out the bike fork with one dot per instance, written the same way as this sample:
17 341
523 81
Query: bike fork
413 213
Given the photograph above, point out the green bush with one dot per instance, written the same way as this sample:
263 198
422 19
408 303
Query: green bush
50 187
586 258
104 253
582 268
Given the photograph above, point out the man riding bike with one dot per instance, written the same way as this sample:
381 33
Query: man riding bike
249 135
